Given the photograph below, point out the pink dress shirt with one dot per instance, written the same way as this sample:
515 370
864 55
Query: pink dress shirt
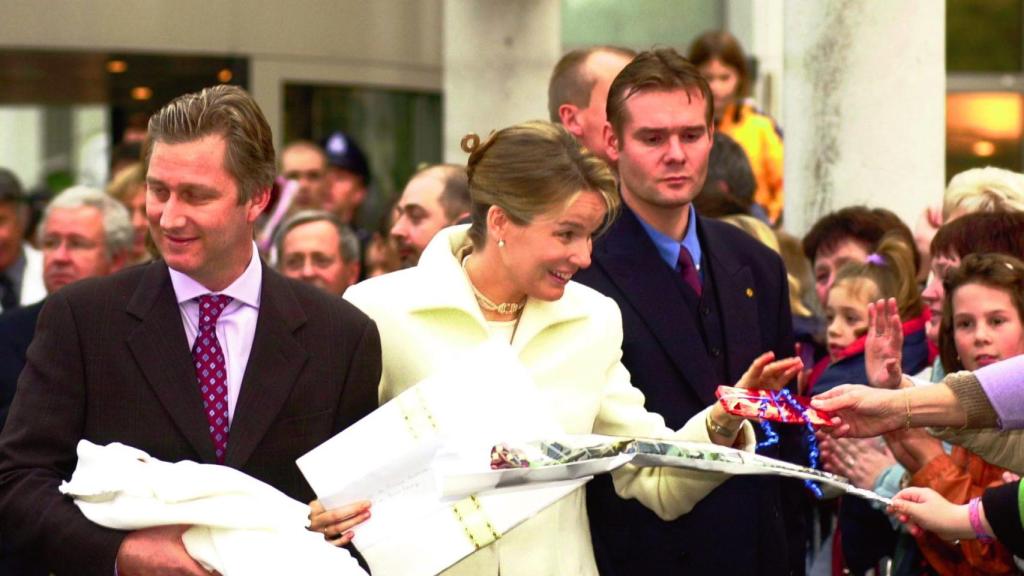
236 327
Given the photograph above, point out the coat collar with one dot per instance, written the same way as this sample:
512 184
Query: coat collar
441 284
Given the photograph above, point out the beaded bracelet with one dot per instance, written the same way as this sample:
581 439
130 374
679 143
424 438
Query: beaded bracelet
975 517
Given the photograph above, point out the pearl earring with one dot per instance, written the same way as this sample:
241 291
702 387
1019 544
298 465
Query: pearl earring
501 243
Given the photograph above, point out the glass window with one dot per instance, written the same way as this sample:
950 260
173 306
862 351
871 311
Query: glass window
398 131
67 108
984 36
983 129
638 24
985 83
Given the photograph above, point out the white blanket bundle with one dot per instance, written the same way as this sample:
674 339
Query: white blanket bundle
240 526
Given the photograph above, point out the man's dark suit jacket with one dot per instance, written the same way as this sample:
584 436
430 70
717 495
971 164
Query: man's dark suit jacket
16 329
739 528
110 363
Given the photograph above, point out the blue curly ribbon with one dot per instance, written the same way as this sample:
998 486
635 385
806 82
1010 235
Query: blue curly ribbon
772 438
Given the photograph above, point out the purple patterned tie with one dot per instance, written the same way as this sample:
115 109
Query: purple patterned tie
688 271
212 372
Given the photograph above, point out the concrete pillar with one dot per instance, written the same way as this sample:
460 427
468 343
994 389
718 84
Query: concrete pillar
864 107
498 56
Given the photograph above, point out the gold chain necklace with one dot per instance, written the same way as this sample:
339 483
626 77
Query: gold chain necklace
504 308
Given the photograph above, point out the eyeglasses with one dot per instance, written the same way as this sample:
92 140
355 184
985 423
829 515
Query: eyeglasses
297 261
73 243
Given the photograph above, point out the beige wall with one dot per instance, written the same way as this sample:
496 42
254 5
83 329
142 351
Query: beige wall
498 59
865 107
390 44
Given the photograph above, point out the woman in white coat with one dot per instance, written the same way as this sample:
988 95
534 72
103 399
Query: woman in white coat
538 199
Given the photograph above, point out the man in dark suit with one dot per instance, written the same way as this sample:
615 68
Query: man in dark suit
281 365
16 329
700 300
83 233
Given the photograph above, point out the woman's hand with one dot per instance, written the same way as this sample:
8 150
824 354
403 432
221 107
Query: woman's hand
913 448
723 427
862 460
764 373
860 411
924 508
883 349
336 524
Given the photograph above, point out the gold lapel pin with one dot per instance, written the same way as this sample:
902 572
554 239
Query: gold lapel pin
750 292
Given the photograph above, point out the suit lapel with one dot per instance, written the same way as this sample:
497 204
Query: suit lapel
737 299
160 348
274 365
652 289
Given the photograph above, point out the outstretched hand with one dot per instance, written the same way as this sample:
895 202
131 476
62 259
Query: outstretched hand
768 374
883 348
926 509
861 411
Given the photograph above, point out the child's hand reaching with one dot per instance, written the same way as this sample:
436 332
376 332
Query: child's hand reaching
883 350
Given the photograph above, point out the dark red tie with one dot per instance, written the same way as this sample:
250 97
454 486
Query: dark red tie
212 372
688 271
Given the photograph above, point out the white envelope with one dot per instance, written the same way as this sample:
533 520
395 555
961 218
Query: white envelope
389 458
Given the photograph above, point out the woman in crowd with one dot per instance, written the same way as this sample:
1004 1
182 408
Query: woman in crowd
129 188
986 189
721 60
537 201
977 190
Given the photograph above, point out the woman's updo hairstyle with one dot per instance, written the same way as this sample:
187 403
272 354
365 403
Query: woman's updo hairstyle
529 168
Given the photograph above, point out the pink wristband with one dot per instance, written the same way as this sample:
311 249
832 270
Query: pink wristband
975 517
